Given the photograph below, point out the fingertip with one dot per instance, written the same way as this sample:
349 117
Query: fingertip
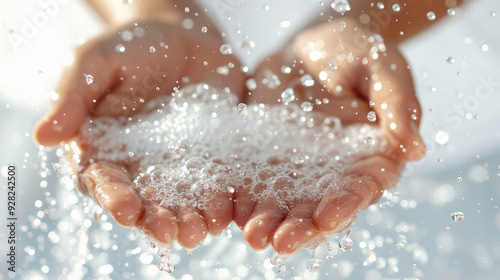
160 223
257 233
293 235
409 144
62 122
333 212
121 202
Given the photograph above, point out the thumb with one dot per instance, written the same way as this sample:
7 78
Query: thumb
397 108
82 85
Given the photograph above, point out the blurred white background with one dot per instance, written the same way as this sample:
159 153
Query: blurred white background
456 72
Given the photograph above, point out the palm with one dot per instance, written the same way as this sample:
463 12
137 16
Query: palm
115 75
355 73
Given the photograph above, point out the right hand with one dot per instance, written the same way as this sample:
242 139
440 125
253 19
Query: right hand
351 68
103 81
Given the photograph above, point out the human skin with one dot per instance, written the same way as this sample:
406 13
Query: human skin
386 81
110 183
123 82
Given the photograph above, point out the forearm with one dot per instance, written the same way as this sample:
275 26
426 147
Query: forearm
171 11
392 24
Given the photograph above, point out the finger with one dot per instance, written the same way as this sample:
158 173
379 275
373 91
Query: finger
244 205
361 185
297 230
218 211
192 227
158 223
81 86
396 105
111 187
263 222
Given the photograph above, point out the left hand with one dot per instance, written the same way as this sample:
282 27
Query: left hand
352 68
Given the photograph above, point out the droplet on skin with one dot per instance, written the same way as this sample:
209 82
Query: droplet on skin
341 6
380 5
396 8
285 69
306 106
288 95
89 79
251 84
307 80
152 49
226 49
204 29
120 48
451 12
372 116
457 216
431 16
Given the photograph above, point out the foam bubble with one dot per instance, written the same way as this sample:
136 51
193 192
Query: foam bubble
200 141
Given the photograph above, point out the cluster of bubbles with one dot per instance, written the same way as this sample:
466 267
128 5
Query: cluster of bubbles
200 141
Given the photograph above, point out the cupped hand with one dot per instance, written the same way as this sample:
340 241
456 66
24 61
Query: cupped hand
343 70
115 75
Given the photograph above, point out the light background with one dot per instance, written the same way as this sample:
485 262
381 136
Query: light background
460 100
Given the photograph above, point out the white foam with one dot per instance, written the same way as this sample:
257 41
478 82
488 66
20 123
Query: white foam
200 141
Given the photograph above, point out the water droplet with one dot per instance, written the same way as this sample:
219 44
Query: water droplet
89 79
226 49
485 48
400 246
450 60
285 69
457 216
451 12
442 137
380 5
204 29
165 263
285 24
332 65
120 48
345 243
288 95
393 126
341 6
251 84
372 116
459 179
377 86
413 117
271 81
297 160
152 49
57 167
396 7
242 107
306 106
313 265
431 16
307 80
371 103
493 14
